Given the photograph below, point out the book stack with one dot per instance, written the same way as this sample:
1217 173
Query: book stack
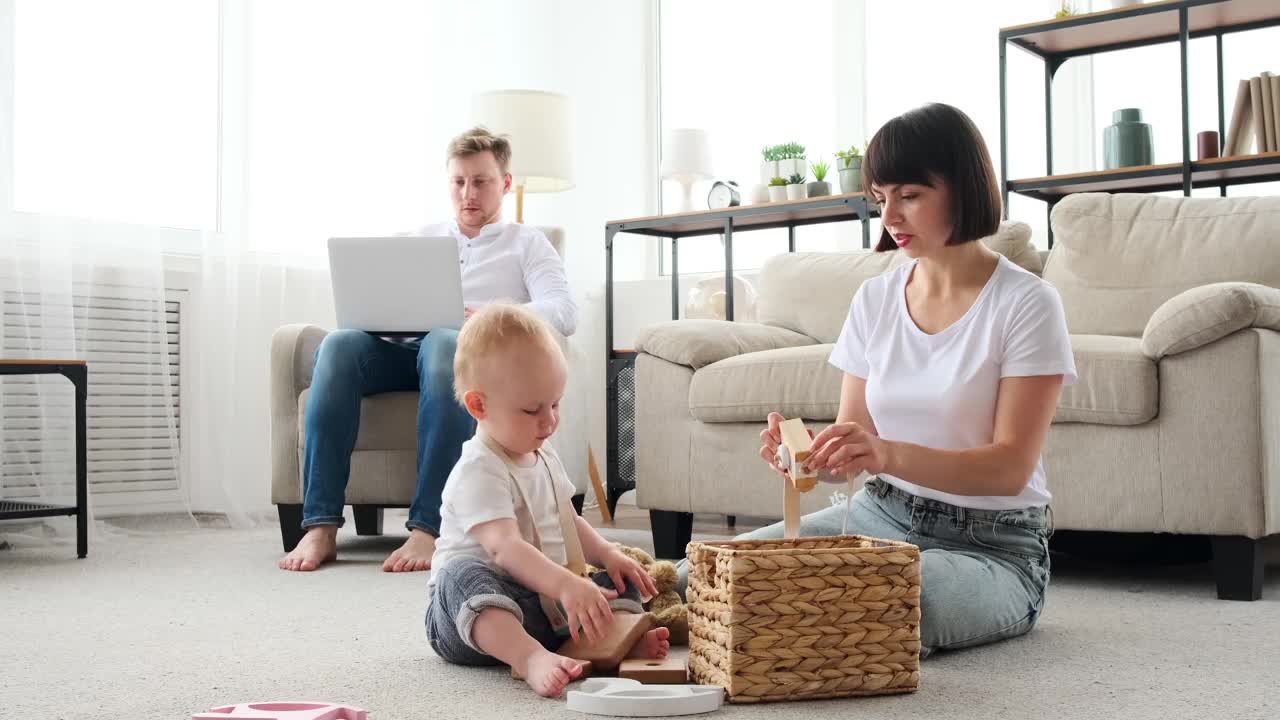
1255 118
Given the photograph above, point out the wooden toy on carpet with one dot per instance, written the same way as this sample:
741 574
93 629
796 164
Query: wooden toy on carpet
284 711
664 671
624 632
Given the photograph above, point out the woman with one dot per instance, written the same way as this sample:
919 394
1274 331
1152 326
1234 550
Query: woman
953 364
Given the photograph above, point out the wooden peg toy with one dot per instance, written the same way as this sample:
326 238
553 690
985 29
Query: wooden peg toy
665 671
795 448
624 632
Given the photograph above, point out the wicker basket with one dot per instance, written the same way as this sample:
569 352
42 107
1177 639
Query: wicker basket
802 619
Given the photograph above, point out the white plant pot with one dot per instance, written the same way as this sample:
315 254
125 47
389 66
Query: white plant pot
759 194
797 192
786 168
768 171
777 193
1125 3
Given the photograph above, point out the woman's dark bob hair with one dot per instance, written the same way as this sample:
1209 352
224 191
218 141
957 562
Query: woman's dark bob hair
931 143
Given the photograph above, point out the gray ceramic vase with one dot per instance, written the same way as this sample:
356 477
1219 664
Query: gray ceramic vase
1127 141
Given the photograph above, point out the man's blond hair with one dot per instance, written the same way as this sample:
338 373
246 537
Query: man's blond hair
491 331
479 139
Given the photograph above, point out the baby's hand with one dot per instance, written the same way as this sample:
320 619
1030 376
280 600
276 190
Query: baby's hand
587 604
623 569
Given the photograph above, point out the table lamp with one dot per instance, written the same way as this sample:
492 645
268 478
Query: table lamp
686 158
539 125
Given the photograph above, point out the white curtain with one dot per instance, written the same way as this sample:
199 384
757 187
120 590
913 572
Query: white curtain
297 121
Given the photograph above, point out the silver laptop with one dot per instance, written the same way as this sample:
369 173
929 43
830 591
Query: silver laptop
396 285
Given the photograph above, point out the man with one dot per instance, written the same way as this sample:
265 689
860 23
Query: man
500 261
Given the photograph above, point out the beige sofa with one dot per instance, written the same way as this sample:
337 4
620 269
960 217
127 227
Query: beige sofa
384 463
1173 427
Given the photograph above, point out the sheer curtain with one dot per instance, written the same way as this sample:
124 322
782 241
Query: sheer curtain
199 190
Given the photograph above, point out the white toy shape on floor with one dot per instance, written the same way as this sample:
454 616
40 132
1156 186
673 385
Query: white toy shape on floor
284 711
629 698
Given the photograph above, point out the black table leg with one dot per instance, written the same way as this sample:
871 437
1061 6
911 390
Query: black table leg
79 377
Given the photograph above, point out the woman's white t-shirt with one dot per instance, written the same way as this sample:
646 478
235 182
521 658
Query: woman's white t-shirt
940 390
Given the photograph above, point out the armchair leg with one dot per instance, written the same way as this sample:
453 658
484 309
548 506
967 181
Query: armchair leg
671 533
368 519
1238 567
290 525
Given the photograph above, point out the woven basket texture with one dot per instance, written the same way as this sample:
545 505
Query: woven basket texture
802 619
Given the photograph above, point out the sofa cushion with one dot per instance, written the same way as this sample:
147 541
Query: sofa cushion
1117 383
1117 258
697 343
388 421
810 292
1207 313
797 382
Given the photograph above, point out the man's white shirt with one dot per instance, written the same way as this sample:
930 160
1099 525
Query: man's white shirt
516 263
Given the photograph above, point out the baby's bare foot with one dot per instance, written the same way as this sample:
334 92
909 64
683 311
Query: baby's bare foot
655 644
317 547
548 673
414 554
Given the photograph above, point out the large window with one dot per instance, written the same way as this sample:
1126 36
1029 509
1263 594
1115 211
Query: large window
755 73
115 110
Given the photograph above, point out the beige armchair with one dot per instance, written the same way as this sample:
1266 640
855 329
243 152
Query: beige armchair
384 463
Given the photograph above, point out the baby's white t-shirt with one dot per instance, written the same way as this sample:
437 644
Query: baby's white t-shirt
940 390
480 489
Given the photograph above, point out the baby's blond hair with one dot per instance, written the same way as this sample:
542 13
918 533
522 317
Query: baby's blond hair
492 330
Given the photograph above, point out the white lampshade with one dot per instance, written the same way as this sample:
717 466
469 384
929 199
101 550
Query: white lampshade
686 154
539 125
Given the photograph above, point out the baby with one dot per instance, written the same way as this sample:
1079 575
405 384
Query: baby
505 585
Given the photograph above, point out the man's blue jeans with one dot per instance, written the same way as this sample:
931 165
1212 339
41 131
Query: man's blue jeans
351 364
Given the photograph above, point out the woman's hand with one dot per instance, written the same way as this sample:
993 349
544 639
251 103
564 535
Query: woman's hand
772 438
849 448
624 570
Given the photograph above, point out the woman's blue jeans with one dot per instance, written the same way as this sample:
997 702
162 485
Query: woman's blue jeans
351 364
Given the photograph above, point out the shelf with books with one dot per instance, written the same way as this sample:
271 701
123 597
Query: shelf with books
1170 21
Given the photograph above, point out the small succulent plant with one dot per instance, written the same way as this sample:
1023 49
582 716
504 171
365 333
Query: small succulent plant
795 179
777 182
820 169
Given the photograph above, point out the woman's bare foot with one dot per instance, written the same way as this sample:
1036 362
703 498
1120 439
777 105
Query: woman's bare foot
414 554
317 547
548 673
654 645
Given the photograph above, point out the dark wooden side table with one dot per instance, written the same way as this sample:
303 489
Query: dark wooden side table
77 371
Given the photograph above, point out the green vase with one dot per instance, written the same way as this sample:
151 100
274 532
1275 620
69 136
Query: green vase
1127 141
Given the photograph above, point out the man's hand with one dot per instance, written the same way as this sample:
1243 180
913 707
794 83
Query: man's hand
587 604
844 448
624 569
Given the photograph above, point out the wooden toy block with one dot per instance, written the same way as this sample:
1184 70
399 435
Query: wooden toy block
795 449
625 631
667 671
799 446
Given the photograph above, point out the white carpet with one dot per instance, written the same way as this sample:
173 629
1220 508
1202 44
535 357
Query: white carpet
165 623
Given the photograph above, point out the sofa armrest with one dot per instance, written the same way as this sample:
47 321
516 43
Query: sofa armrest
1207 313
698 343
293 358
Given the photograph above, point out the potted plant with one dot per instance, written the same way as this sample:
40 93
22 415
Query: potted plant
777 189
849 165
795 187
819 186
769 163
791 160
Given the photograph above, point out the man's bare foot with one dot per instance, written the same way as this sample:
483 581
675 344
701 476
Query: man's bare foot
654 645
414 554
317 547
548 673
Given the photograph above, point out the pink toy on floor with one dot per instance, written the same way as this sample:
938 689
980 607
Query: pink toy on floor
284 711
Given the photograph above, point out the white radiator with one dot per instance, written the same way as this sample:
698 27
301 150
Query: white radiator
131 341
